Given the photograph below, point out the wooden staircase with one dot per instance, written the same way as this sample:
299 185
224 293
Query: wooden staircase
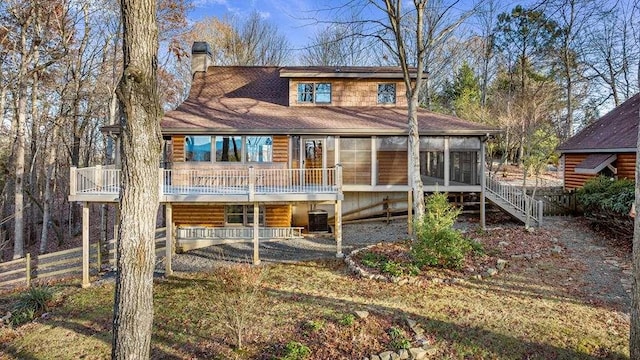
513 201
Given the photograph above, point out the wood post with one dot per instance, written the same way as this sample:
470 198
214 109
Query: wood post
28 268
73 180
338 228
168 271
116 230
483 218
252 185
409 213
85 245
256 234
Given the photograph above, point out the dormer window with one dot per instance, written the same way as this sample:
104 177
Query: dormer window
319 93
386 93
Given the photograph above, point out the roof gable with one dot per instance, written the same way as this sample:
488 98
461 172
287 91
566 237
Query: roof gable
616 130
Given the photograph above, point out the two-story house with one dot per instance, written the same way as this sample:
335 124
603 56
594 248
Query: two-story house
253 153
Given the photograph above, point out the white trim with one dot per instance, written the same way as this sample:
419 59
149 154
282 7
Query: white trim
598 168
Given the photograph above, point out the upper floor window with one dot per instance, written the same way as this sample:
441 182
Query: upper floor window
386 93
319 93
198 148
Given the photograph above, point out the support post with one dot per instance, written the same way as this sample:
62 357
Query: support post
540 212
410 213
256 233
252 184
116 230
483 186
338 228
27 265
85 245
73 181
168 271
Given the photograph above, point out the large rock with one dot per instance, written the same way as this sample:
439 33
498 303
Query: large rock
501 264
403 354
417 353
361 314
387 355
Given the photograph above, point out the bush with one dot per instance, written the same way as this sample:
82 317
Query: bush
347 320
437 242
241 300
399 340
385 265
30 304
605 194
295 351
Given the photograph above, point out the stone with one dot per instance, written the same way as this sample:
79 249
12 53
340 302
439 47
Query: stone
418 330
431 351
362 314
417 353
556 249
403 354
375 357
503 243
395 356
436 281
386 355
492 272
411 323
501 264
403 281
517 256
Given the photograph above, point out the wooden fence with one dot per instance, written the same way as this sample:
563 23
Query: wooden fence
66 263
558 202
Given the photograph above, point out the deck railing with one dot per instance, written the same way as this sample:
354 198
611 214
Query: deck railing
195 233
99 180
514 196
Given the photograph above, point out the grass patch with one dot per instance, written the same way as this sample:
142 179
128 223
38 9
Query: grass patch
304 306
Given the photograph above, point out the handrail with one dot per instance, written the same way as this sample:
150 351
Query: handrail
99 180
514 196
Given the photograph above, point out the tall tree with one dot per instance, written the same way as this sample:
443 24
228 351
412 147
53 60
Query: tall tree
634 334
139 198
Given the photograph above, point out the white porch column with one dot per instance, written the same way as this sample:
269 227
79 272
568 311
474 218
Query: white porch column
410 213
116 230
256 234
85 245
483 220
447 162
168 271
338 227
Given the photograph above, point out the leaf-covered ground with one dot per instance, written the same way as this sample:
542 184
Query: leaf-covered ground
542 306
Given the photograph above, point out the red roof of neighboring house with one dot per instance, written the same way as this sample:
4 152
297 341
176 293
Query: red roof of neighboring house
617 131
255 100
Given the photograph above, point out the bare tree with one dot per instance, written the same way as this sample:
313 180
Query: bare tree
139 198
634 334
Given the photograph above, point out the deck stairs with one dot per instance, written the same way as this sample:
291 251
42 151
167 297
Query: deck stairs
513 201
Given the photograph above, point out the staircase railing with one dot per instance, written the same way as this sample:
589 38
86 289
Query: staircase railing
512 195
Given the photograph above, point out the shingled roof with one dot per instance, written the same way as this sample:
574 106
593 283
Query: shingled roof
255 100
617 131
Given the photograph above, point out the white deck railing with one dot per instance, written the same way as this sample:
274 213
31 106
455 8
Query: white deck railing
197 233
516 198
106 181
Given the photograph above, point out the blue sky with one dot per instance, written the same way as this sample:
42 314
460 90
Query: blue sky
291 16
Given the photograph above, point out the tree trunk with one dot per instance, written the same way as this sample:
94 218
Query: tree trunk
414 158
141 139
18 222
50 165
634 336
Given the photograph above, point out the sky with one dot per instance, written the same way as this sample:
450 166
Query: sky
293 17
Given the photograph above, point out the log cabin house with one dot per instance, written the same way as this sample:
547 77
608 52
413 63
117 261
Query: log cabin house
606 147
262 153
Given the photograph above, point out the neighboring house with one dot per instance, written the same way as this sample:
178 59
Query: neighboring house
255 153
608 147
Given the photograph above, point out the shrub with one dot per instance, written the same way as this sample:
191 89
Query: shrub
240 286
314 325
383 264
437 242
295 351
399 340
30 304
347 320
605 194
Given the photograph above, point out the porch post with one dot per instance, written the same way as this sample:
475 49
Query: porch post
338 228
116 229
410 213
483 220
168 271
256 233
85 245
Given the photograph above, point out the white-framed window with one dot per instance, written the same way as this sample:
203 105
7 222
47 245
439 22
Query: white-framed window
242 215
387 93
238 148
197 148
319 93
355 157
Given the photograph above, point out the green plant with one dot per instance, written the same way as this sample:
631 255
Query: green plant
347 320
373 260
437 242
30 304
314 325
383 264
295 351
605 194
399 339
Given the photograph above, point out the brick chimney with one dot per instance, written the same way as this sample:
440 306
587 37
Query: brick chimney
201 57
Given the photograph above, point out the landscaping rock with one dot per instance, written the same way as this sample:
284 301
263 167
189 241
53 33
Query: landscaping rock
503 243
556 249
492 272
411 323
386 355
417 353
501 264
362 314
375 357
403 354
477 277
